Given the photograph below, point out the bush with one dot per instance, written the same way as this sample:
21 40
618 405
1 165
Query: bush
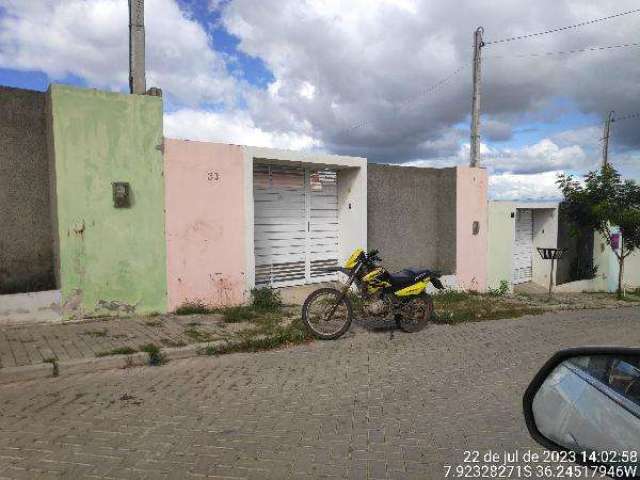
266 299
502 290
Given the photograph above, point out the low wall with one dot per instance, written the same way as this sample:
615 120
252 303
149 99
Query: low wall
632 271
578 286
545 235
471 211
204 223
411 216
500 243
112 260
26 234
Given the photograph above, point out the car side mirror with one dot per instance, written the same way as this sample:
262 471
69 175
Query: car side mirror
587 401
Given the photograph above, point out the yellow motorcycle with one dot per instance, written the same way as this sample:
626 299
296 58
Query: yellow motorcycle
328 312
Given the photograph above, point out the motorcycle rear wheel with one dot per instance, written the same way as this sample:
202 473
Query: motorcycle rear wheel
416 314
326 315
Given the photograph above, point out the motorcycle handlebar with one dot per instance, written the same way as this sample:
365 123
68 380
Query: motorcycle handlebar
372 256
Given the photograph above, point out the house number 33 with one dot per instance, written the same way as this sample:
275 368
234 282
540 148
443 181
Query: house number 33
213 176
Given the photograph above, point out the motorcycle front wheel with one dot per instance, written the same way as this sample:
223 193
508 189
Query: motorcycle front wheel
327 314
416 314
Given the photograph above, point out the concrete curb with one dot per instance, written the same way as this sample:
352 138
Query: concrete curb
95 364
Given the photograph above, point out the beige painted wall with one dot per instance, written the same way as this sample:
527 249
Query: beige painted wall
632 271
471 249
501 238
352 211
205 227
545 235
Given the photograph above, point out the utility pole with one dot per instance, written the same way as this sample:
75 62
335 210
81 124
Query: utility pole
605 137
475 105
137 81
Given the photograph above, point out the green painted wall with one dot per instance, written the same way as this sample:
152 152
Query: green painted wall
111 261
501 237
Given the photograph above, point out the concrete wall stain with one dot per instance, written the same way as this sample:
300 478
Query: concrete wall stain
112 261
26 232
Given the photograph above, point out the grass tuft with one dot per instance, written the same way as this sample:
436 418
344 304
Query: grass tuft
198 335
500 291
193 307
117 351
449 296
456 308
156 357
293 334
266 299
239 313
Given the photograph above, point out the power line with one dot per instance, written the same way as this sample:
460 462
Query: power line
626 117
411 101
432 89
560 29
567 52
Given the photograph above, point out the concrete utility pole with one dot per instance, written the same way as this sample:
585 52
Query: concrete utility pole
475 105
605 137
137 81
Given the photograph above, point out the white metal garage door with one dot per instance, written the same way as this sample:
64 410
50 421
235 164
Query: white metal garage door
296 224
523 247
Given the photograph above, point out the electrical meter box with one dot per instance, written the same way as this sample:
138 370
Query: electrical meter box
121 194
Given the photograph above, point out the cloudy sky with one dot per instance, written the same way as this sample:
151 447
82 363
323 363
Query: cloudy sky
360 77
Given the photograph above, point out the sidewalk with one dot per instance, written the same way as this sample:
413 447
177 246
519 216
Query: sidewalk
39 350
34 344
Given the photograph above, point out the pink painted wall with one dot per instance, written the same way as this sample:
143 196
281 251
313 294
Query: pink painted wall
204 222
471 250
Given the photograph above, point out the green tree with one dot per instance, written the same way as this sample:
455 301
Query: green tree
604 200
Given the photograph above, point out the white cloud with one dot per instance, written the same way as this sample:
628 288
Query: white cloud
541 186
307 90
89 39
338 64
542 156
236 128
373 60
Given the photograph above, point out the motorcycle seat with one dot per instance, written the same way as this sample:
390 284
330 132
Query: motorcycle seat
411 275
420 272
402 279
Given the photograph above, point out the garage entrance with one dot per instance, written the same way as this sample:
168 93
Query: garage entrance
295 224
523 247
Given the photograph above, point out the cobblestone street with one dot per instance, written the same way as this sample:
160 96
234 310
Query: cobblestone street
372 405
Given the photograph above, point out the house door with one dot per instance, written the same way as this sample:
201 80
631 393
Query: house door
523 247
295 224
